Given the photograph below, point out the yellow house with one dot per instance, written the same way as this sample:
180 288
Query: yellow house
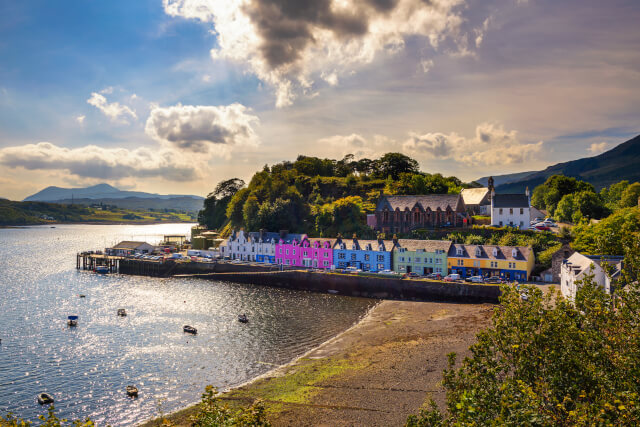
506 262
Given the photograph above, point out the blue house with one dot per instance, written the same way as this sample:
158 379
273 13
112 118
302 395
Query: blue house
367 255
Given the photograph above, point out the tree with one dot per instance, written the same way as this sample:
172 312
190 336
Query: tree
213 215
393 164
548 195
629 196
235 207
611 196
606 236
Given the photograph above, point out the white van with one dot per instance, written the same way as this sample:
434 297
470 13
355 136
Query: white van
451 277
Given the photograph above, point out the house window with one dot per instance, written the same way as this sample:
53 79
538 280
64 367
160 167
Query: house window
325 263
342 264
521 211
286 261
287 251
510 211
500 211
476 263
306 253
353 257
380 258
460 262
401 259
500 223
438 261
367 267
459 251
294 251
417 260
341 255
401 268
521 223
367 257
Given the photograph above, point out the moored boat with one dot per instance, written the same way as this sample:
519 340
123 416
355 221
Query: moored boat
132 390
332 291
189 329
242 318
101 269
45 399
72 320
122 312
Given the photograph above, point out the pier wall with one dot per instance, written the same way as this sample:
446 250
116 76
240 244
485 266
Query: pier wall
365 286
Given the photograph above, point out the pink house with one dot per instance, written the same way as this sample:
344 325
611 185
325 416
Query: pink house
300 251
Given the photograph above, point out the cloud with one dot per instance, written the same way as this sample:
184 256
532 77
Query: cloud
97 162
198 128
80 119
112 110
290 44
598 147
359 146
491 146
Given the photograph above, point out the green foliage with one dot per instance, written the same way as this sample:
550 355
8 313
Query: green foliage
544 258
50 420
547 362
629 197
548 195
611 195
214 213
324 196
211 413
584 204
606 236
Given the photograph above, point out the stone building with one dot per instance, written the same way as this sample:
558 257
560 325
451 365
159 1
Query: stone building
401 214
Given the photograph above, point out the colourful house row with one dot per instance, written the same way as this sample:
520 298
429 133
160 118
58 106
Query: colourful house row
400 255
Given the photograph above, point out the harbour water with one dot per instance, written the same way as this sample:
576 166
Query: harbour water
87 368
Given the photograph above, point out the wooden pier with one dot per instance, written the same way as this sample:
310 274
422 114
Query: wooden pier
91 260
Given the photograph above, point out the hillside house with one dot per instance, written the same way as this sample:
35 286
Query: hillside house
578 267
401 214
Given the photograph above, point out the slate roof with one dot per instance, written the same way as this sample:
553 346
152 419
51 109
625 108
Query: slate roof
427 245
127 244
580 262
362 244
510 201
266 236
433 201
523 253
288 238
322 241
475 196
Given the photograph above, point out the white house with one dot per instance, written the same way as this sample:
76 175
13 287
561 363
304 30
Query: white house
257 247
511 210
577 267
129 248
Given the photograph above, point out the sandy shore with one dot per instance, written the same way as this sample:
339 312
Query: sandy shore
374 374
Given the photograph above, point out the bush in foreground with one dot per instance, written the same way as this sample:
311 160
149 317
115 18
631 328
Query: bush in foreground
545 361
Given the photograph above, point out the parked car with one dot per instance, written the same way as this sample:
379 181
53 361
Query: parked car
352 270
435 276
542 228
477 279
493 279
411 275
453 277
388 272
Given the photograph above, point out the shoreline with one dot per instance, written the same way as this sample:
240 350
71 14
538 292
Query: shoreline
98 223
377 372
271 372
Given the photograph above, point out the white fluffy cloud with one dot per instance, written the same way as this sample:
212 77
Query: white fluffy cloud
490 146
340 145
113 110
598 147
198 127
291 44
98 162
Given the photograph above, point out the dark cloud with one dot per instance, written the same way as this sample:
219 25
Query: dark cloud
286 25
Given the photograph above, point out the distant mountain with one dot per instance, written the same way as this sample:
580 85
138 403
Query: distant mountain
617 164
100 191
505 179
109 195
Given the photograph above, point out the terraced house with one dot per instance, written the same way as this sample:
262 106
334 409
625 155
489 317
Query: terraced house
401 214
367 255
506 262
256 246
421 256
301 251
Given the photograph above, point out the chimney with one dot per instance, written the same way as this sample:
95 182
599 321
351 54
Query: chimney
395 239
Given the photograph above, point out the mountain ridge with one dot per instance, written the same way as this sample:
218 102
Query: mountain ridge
622 162
95 192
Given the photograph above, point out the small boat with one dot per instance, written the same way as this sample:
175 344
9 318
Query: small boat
189 329
45 399
83 296
132 391
242 318
72 320
52 227
332 291
101 269
122 312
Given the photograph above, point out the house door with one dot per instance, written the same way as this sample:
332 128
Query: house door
408 269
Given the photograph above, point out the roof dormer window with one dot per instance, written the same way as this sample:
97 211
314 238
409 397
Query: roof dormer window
495 251
478 252
459 251
514 253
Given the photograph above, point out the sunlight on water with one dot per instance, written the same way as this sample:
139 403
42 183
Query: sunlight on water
86 368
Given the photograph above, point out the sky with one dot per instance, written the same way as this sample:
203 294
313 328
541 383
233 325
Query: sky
173 96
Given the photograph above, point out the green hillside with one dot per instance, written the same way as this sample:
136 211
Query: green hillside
619 163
